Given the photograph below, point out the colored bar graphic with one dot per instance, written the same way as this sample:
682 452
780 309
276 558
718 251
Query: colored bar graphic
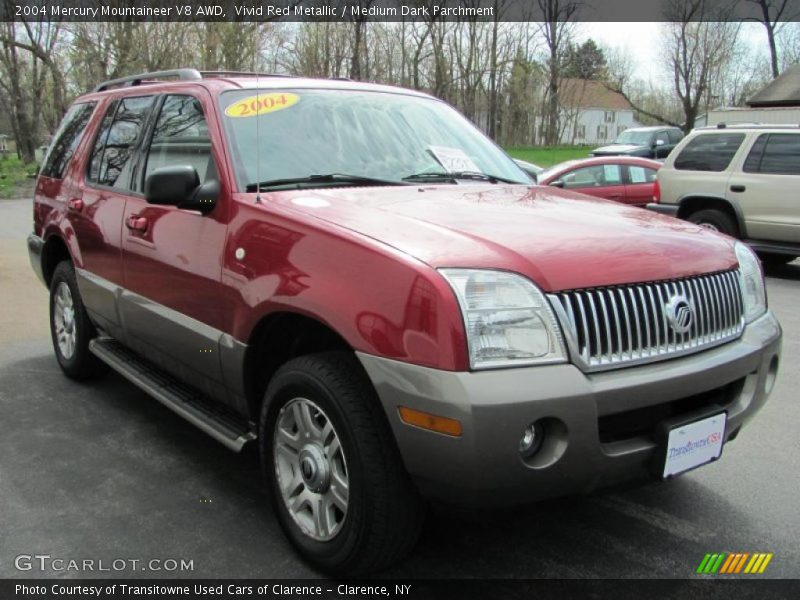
764 564
726 566
729 563
702 567
741 562
717 564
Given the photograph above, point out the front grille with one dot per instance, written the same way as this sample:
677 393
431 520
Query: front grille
620 325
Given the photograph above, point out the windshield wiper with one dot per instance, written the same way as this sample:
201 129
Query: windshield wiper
453 176
310 180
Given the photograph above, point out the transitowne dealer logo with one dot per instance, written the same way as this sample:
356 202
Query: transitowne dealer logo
731 563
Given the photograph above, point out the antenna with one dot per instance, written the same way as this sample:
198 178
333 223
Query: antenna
258 117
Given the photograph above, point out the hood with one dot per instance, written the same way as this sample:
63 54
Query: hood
618 149
559 239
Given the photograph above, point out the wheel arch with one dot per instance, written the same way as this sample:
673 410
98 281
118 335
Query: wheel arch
54 251
277 338
693 203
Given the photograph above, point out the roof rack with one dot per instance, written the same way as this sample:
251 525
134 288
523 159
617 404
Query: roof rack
132 80
181 74
205 74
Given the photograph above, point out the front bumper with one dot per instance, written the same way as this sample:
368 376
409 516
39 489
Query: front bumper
592 438
664 209
35 248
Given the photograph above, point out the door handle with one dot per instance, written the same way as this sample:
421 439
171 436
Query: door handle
75 204
738 188
136 223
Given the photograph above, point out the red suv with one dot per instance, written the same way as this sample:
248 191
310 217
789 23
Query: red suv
354 278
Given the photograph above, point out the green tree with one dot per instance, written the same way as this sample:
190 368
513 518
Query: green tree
586 61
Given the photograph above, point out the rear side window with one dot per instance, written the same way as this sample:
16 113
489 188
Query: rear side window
180 137
112 156
775 153
66 139
709 152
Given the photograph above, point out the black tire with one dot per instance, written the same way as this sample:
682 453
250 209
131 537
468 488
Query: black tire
80 363
385 512
715 219
775 260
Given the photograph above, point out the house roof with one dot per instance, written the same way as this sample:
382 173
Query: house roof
586 93
784 90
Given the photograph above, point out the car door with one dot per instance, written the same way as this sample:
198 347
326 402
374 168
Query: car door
639 184
766 188
172 257
604 181
97 218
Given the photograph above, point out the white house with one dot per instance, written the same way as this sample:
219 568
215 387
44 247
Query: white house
591 113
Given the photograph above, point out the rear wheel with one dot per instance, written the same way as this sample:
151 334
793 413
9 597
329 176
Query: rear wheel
716 220
336 479
70 327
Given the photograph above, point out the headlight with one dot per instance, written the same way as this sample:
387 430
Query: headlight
751 278
508 319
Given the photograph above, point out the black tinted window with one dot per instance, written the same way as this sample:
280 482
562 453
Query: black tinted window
709 152
753 161
111 156
66 139
180 137
776 153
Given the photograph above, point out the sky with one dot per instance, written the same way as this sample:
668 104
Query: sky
641 40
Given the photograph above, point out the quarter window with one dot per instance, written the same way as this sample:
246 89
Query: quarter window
709 152
775 153
112 158
180 137
66 140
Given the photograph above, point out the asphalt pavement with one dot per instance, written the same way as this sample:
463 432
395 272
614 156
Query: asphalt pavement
102 472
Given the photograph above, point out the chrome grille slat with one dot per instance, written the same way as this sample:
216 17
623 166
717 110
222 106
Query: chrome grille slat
619 325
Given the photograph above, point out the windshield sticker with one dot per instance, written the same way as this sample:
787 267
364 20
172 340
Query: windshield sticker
263 104
454 160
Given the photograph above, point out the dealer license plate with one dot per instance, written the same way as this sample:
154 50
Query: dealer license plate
694 444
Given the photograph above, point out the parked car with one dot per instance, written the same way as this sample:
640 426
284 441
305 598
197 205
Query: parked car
646 142
629 180
531 169
353 278
741 180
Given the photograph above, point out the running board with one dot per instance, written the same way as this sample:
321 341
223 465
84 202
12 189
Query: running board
175 395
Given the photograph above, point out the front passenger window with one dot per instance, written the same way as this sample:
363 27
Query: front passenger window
180 138
113 155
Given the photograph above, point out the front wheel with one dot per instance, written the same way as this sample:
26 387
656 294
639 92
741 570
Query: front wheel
70 326
336 479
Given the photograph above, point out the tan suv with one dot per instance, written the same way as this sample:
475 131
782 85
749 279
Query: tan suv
741 180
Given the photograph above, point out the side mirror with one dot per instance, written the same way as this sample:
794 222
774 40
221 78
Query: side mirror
180 186
559 183
659 142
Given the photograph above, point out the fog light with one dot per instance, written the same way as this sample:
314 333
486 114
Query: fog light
532 439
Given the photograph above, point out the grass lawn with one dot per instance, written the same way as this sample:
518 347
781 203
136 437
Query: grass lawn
548 156
13 172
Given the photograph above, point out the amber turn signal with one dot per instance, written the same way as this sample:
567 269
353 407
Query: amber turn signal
430 422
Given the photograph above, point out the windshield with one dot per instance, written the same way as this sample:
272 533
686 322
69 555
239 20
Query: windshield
290 135
640 138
